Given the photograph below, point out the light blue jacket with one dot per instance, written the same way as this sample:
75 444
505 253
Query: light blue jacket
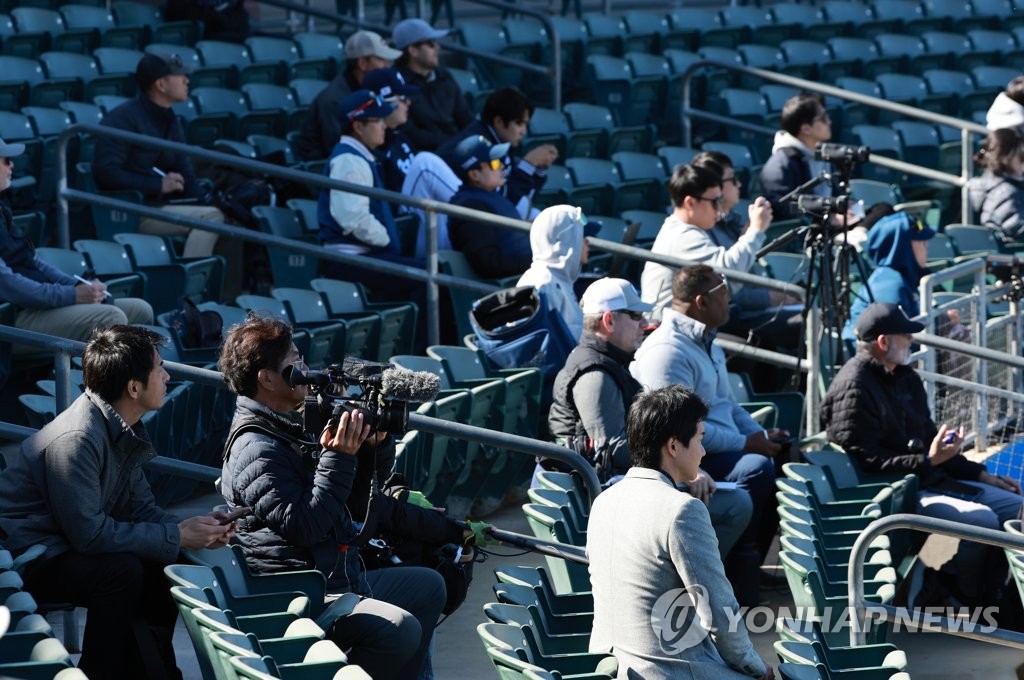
677 353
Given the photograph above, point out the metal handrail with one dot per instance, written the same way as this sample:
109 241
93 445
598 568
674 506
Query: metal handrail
861 611
64 348
555 71
966 127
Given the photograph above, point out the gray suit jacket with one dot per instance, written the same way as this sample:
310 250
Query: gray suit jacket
646 542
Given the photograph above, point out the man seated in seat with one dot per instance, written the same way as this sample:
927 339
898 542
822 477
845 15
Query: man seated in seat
164 178
698 199
505 118
594 390
493 252
805 123
681 351
77 488
662 604
48 300
877 410
365 51
439 111
301 486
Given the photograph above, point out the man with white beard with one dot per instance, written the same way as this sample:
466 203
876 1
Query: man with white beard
877 410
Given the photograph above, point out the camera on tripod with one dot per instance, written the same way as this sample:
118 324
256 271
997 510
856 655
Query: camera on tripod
812 204
841 153
382 394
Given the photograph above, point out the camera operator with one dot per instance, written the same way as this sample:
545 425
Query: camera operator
298 486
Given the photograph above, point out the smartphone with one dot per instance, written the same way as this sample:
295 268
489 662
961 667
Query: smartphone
950 437
235 514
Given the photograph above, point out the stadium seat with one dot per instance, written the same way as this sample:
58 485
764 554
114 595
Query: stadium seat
802 57
687 26
289 269
397 320
644 31
548 126
170 276
807 21
604 34
850 58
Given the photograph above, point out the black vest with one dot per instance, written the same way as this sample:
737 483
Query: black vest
594 353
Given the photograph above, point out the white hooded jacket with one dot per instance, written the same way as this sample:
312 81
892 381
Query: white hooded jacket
556 239
1004 113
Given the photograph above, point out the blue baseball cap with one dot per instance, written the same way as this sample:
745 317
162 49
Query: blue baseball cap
388 83
472 151
363 104
412 31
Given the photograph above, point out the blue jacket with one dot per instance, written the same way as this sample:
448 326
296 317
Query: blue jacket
25 280
493 252
118 165
331 231
896 274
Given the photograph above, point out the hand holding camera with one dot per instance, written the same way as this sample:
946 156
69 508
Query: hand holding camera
346 434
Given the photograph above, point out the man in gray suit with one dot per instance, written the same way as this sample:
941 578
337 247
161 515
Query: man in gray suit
654 559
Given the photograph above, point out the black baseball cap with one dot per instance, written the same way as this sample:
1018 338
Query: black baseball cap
884 318
153 67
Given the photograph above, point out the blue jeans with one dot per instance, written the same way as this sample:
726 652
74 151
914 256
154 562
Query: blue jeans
977 565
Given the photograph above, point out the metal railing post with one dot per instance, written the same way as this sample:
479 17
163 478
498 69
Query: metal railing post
433 293
62 378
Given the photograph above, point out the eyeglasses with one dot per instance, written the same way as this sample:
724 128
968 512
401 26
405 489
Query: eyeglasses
635 316
495 164
723 284
822 117
715 202
731 180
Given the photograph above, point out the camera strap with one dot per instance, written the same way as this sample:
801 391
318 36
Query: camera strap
304 448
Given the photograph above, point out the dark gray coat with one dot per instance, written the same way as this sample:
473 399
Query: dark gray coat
78 485
999 202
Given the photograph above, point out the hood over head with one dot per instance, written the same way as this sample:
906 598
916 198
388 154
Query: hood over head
889 245
556 239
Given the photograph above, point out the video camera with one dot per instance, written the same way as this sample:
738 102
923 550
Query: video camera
384 393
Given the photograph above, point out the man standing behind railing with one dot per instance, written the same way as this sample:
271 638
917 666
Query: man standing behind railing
77 489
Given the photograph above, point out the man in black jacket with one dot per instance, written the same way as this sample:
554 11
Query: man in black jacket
439 111
164 178
301 490
365 51
877 410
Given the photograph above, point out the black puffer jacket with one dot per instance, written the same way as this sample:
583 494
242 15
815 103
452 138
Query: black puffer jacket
873 414
303 509
299 518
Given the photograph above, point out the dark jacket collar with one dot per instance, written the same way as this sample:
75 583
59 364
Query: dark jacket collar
283 421
128 441
599 344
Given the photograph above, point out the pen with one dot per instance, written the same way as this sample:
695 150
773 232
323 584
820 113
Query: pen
159 171
106 293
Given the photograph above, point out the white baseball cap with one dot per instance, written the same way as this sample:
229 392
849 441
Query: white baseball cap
612 295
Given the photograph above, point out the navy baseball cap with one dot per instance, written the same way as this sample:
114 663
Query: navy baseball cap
388 83
884 318
153 67
363 104
472 151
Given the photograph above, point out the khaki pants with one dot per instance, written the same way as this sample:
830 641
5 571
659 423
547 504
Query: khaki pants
199 243
76 322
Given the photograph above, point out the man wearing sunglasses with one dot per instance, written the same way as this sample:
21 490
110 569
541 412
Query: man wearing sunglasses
698 200
681 351
439 111
506 118
493 252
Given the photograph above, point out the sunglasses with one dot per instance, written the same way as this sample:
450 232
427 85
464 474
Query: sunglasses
724 283
731 180
715 202
635 316
495 164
